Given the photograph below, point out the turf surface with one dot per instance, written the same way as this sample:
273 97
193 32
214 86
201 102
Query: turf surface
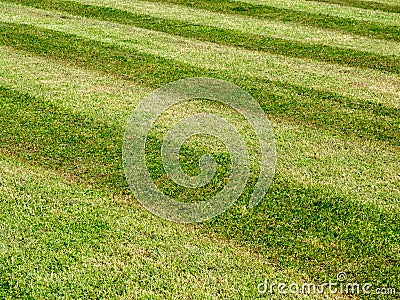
326 74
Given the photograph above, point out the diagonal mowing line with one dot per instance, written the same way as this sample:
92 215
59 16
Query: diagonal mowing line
295 211
323 21
308 210
330 9
235 38
318 20
17 13
375 86
75 89
260 26
322 109
41 132
297 223
372 5
291 211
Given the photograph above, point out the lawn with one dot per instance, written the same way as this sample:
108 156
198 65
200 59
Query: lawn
326 74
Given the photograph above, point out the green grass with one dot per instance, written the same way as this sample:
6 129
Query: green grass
298 17
72 72
235 38
241 8
72 243
354 118
388 7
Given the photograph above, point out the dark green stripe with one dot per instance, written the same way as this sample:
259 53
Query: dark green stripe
348 234
346 25
40 132
328 111
386 7
133 65
234 38
280 228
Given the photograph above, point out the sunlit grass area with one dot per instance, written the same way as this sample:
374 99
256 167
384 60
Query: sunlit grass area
327 75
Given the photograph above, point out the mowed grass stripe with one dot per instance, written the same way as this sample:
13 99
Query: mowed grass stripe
298 221
333 10
330 111
363 84
107 99
75 243
348 233
246 25
53 137
358 84
256 26
108 96
323 21
350 57
259 242
372 5
294 108
97 55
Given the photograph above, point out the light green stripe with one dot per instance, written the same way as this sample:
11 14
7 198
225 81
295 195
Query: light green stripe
276 29
33 199
395 2
305 155
80 91
328 9
369 85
